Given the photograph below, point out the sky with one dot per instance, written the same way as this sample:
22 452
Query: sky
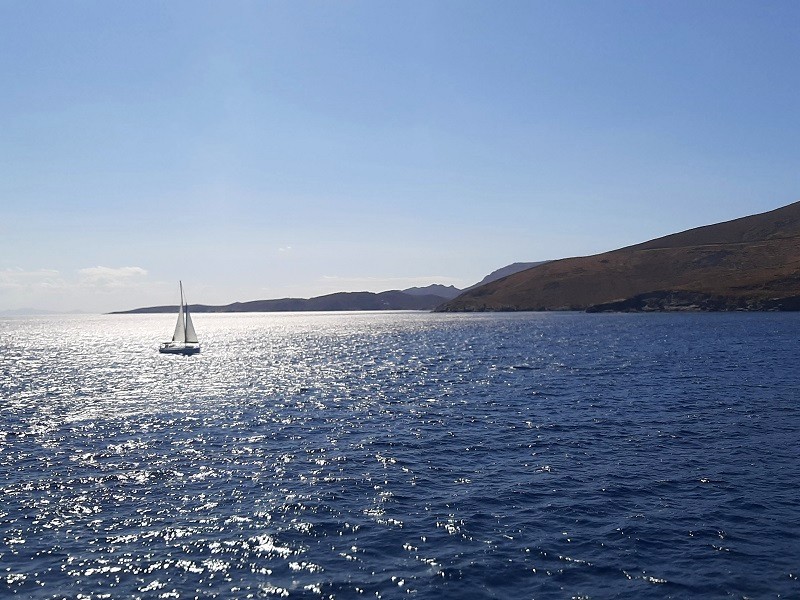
291 149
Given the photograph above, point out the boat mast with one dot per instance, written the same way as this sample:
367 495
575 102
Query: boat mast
183 306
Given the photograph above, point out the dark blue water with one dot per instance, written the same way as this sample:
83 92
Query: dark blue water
394 455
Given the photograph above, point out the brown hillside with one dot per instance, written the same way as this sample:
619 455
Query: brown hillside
747 263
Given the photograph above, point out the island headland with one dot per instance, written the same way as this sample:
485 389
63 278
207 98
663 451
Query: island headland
750 263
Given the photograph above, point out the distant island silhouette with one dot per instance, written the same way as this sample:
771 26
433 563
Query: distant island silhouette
391 300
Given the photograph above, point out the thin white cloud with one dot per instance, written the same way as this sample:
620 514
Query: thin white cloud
110 277
19 279
97 289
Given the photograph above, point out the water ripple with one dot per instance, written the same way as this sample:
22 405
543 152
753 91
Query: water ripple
397 454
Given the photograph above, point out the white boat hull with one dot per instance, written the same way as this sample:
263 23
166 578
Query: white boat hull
172 348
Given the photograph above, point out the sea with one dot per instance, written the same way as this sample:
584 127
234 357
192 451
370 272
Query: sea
401 455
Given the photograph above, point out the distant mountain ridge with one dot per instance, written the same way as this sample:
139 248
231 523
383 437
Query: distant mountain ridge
444 291
750 263
413 298
506 271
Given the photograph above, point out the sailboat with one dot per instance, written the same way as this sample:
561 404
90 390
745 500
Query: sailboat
184 340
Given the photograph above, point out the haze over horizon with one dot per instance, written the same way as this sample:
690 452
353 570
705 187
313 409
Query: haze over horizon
273 149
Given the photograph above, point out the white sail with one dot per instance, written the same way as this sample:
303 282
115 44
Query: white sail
180 328
191 336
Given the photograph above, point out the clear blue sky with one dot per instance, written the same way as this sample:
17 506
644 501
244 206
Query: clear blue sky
271 149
